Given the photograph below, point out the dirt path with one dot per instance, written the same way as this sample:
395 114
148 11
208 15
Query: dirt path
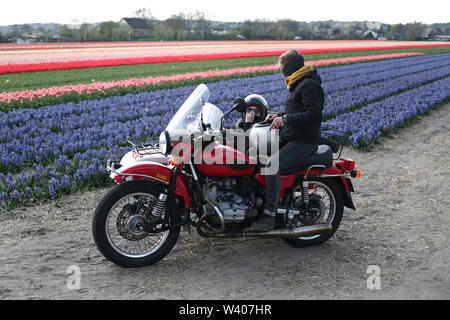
402 226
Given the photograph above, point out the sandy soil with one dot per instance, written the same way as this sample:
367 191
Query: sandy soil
401 225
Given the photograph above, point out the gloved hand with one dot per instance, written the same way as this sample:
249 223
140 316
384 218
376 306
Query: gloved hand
250 116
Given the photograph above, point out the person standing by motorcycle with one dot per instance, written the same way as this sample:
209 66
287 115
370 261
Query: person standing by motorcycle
299 128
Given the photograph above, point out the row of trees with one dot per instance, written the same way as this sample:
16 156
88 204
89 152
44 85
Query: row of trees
410 31
196 25
105 31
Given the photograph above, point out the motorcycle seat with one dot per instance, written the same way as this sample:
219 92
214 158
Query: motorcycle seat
323 157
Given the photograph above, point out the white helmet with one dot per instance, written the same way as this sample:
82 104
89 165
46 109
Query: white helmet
259 101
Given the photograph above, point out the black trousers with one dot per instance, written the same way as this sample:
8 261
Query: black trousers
291 158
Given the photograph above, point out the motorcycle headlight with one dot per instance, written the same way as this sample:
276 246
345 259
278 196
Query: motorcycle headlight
164 143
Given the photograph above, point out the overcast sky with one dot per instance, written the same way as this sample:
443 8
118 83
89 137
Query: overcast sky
387 11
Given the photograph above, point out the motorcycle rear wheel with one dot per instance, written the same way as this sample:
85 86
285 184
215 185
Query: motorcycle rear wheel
114 220
331 189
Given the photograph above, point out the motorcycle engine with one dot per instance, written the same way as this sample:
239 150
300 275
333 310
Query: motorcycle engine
225 194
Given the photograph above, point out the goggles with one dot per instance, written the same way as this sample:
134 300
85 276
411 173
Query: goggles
257 110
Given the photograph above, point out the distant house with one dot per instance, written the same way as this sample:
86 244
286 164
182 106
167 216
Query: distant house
372 33
219 31
442 37
373 25
345 31
27 39
74 26
137 27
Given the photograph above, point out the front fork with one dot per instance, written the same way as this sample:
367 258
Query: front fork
165 201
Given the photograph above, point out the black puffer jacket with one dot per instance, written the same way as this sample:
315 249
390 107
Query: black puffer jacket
303 115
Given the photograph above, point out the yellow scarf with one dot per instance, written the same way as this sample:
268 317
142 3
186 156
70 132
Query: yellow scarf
297 75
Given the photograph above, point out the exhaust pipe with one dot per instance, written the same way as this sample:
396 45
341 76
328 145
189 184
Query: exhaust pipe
286 233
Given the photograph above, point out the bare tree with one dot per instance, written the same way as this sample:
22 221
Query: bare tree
177 22
202 23
145 14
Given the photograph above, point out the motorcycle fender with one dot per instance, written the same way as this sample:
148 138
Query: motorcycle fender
347 188
160 172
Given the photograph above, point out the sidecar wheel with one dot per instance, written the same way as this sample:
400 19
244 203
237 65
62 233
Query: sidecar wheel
114 221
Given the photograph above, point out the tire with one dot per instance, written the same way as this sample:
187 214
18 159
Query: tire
103 239
335 190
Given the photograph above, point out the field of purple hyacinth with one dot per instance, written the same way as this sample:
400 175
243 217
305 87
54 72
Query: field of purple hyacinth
370 122
57 149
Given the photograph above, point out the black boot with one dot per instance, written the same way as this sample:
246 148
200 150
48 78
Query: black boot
264 223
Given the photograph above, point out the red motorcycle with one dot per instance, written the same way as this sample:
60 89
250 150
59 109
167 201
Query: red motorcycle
197 177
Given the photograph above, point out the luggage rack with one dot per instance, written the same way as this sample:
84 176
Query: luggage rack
144 147
336 133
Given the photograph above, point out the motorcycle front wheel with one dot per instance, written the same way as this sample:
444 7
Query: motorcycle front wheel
327 201
115 225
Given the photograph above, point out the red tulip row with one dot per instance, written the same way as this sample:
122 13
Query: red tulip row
65 65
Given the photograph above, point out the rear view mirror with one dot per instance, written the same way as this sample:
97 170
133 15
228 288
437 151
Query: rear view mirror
240 105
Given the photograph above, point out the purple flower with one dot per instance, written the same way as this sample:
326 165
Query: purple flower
65 181
22 179
15 195
28 191
34 176
10 183
77 157
39 169
92 169
101 169
55 183
37 190
4 196
51 191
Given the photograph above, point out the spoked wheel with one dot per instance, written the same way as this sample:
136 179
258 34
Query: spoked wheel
326 205
117 221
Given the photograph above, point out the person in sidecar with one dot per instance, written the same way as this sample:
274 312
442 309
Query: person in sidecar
300 129
257 111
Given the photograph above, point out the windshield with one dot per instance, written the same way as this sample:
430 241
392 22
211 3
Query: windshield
187 119
212 115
